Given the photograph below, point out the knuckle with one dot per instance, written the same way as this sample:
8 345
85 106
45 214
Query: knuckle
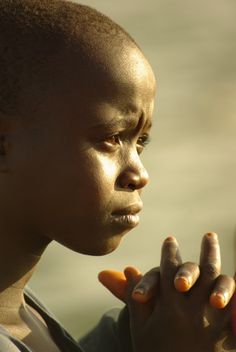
151 275
174 264
172 267
153 271
190 267
211 269
226 281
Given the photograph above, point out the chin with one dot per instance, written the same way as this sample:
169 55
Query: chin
95 246
102 248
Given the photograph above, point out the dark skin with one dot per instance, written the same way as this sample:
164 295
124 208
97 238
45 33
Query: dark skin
74 177
189 321
81 165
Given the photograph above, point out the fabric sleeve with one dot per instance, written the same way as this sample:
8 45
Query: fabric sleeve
10 344
6 345
112 333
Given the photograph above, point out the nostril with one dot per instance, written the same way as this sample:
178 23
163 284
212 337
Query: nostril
132 187
131 180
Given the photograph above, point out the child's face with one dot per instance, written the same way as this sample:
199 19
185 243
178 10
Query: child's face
80 168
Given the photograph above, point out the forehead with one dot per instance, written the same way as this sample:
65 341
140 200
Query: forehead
117 84
110 119
127 69
122 81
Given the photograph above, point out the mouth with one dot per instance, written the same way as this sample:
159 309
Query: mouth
127 217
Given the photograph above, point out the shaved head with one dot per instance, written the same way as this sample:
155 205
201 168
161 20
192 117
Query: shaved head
76 104
36 34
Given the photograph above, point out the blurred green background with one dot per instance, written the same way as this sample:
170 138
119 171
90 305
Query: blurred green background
191 160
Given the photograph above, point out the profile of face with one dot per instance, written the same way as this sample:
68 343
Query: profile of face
77 174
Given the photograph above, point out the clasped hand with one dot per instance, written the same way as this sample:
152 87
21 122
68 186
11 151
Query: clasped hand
178 306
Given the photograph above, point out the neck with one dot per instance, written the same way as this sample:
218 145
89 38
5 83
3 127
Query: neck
18 261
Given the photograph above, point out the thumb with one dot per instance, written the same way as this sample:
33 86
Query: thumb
116 281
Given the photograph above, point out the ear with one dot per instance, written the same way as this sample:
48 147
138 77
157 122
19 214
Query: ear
3 145
3 152
8 125
2 149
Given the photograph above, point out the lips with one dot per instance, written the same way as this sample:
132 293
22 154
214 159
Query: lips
130 210
127 217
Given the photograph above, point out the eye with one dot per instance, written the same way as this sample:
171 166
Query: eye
114 139
142 142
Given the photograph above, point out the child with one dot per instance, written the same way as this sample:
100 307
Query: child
76 102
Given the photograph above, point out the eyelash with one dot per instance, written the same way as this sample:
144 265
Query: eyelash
142 141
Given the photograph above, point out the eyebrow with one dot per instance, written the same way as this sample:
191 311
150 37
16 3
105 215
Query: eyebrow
130 122
127 122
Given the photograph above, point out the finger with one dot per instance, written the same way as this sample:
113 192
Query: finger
210 261
233 318
170 261
222 292
138 311
147 286
186 276
221 319
210 266
133 276
115 282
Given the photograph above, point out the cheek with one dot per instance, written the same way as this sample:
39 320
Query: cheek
108 169
97 178
85 200
81 185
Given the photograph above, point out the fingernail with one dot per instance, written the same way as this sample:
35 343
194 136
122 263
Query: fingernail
219 299
182 283
212 235
171 238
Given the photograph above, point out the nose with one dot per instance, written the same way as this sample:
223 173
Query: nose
133 177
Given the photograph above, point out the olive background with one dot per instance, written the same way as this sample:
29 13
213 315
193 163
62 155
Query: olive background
191 159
